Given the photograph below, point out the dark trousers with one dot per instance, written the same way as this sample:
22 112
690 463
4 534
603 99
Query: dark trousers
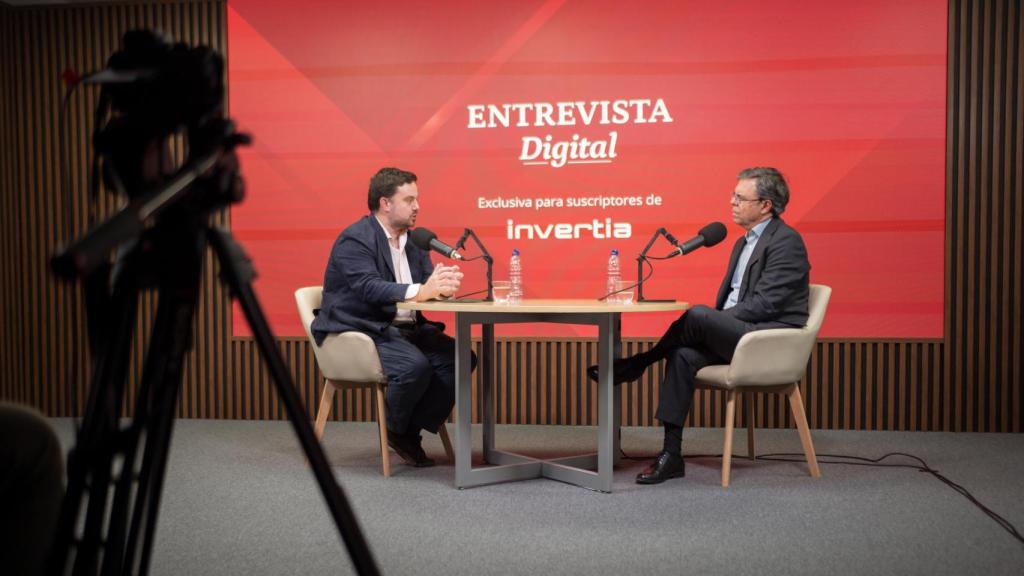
419 361
700 337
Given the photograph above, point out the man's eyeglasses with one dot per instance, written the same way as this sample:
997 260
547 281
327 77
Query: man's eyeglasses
736 199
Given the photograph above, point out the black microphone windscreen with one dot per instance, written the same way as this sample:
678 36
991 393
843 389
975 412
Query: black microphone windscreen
713 233
421 237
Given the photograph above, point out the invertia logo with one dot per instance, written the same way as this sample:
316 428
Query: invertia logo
578 149
566 231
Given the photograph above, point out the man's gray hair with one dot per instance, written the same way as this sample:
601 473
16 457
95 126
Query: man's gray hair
771 185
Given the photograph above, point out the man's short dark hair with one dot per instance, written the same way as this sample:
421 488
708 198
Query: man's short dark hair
385 183
771 185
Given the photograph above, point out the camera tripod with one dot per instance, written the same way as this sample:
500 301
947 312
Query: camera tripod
116 472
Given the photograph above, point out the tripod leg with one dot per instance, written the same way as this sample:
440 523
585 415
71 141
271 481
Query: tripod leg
154 418
93 455
237 272
151 476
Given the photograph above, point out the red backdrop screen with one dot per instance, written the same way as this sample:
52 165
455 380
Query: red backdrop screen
568 128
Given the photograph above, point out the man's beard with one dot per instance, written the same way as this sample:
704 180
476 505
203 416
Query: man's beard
403 225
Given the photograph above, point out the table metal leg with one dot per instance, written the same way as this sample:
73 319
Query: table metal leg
606 424
487 381
463 402
617 393
507 466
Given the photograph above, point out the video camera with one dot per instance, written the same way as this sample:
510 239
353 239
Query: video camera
153 90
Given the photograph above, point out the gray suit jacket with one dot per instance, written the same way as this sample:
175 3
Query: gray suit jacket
776 283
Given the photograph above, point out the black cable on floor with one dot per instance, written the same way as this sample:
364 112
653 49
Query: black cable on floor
922 466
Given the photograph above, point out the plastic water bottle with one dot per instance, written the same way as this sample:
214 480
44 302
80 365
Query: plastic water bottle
614 275
515 276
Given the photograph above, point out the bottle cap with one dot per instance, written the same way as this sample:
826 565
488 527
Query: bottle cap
615 251
515 251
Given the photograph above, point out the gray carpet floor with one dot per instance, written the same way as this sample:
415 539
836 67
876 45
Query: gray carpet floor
240 499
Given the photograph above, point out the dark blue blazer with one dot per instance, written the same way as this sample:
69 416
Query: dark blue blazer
776 284
360 291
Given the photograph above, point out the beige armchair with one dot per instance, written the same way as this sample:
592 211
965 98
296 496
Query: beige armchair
349 360
773 360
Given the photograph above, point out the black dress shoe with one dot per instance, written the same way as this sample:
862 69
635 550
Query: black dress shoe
667 465
409 448
624 370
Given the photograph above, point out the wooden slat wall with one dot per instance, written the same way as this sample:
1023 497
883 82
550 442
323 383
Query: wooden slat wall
984 208
970 380
44 354
8 370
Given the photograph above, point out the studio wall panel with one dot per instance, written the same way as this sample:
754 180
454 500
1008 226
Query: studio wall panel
8 235
984 263
970 380
47 161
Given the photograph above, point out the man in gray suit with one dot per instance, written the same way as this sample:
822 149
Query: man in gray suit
767 285
372 267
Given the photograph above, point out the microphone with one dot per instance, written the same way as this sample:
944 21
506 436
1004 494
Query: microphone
708 236
426 240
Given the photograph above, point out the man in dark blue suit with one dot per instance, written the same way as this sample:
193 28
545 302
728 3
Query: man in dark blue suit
767 285
372 267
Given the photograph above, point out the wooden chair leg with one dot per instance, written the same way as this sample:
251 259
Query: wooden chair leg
326 398
730 419
749 395
382 423
442 431
796 406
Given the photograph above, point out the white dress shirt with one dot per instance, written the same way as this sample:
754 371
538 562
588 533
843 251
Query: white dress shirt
403 275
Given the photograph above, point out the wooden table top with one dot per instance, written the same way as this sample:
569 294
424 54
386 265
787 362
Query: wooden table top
545 305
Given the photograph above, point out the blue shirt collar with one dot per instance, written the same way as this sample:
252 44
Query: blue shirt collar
757 230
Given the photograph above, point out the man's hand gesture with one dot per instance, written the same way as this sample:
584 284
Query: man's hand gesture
443 283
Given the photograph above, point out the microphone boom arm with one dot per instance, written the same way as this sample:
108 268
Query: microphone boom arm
643 258
468 233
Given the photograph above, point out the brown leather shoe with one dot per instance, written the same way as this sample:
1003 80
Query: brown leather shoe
667 465
410 449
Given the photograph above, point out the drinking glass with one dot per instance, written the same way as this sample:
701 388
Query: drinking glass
625 296
502 289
